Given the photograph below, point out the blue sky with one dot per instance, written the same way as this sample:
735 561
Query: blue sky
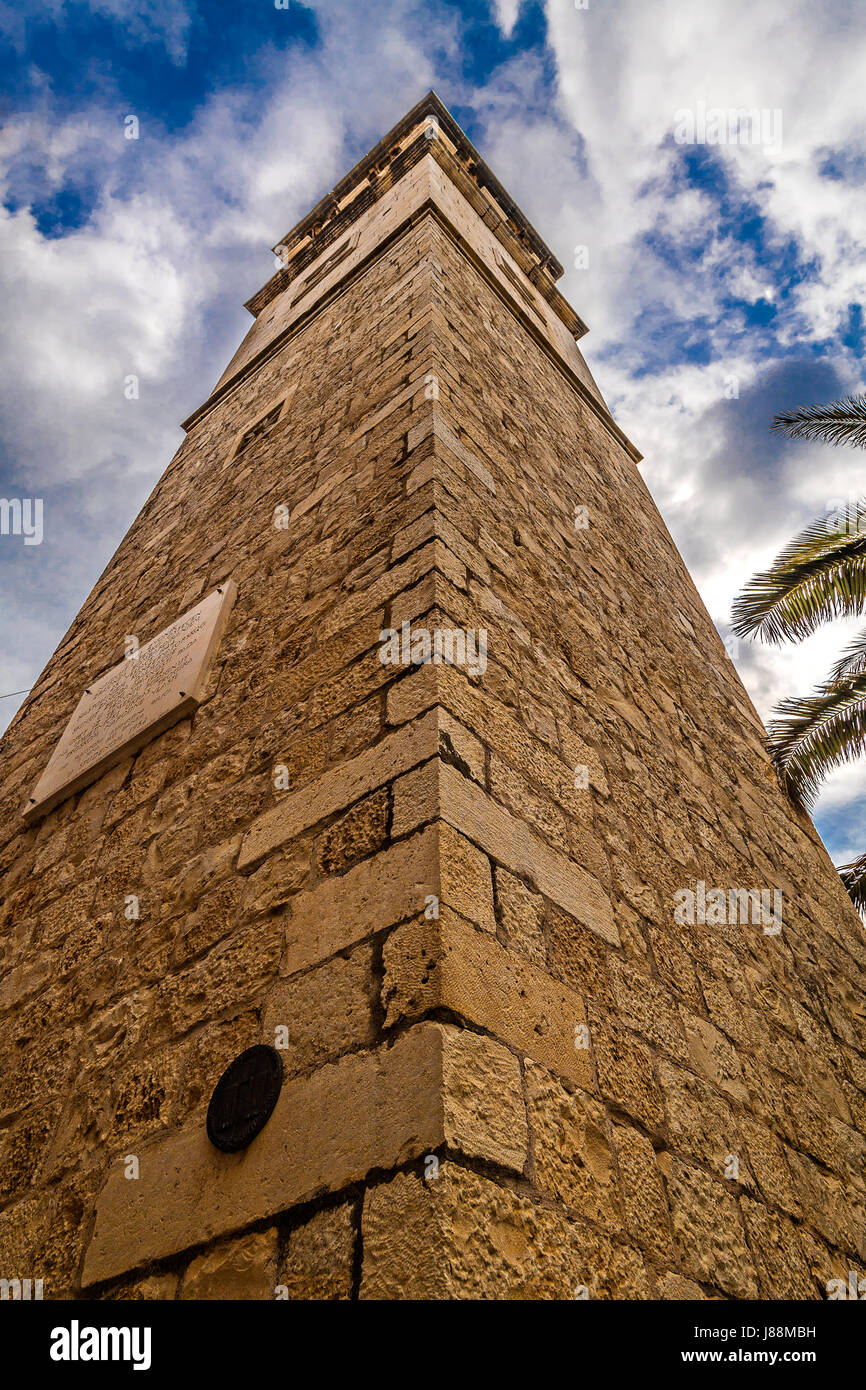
724 282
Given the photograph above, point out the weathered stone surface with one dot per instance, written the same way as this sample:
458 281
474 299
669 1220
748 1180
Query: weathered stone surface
625 1070
153 1288
359 833
244 1268
766 1157
319 1259
55 1233
485 1115
578 957
416 798
572 1149
339 787
226 978
206 1057
699 1118
508 840
783 1270
646 1007
500 834
837 1209
675 1287
315 1017
384 889
827 1265
465 880
145 1094
448 964
708 1231
714 1056
433 1086
461 1236
391 1100
646 1211
436 425
22 1151
522 916
22 1224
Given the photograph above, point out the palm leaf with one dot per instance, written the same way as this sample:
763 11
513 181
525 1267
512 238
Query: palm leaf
820 575
817 733
853 876
852 661
840 422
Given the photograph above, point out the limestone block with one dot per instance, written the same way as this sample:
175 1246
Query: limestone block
700 1120
508 840
373 1110
783 1270
315 1017
376 893
571 1149
339 787
522 915
675 1287
625 1070
708 1231
462 1236
367 1111
449 964
482 1093
238 1269
645 1006
319 1261
153 1288
359 833
646 1211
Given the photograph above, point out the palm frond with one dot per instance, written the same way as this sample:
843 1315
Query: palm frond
820 575
853 876
840 422
816 733
852 662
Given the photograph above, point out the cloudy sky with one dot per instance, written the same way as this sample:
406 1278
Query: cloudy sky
724 281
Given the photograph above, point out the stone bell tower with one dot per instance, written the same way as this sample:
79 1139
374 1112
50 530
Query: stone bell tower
396 743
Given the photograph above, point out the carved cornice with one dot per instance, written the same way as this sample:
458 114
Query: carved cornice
428 128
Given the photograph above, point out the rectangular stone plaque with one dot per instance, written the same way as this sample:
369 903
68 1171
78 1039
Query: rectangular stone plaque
137 699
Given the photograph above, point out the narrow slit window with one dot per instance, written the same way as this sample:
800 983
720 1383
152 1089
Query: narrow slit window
320 271
259 429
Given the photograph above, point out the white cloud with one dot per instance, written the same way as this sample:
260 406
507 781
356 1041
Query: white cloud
166 22
506 15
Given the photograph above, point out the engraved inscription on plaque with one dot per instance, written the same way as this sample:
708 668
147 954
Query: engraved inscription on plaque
136 700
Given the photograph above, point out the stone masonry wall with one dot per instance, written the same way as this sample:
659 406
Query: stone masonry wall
114 1032
443 1130
707 1043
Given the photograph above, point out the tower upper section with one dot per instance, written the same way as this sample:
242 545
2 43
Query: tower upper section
424 165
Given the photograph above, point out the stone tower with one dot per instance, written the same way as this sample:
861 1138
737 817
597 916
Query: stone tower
396 737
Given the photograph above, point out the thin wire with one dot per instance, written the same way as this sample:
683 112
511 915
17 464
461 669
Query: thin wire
15 692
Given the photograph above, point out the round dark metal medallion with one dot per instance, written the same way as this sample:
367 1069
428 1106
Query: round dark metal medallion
244 1098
